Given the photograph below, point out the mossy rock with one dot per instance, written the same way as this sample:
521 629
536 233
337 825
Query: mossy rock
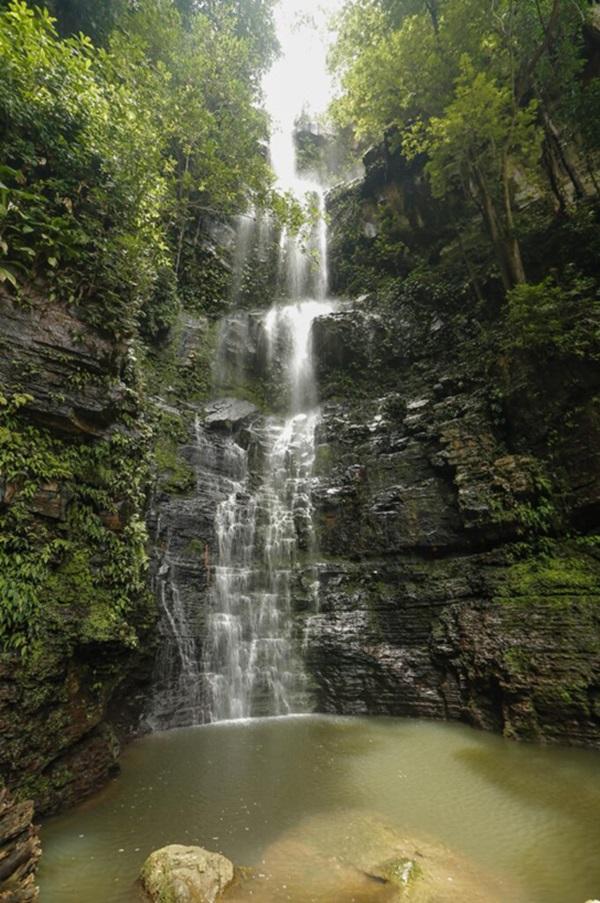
400 871
561 577
175 476
179 874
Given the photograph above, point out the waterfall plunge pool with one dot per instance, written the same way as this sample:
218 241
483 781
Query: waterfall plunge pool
267 792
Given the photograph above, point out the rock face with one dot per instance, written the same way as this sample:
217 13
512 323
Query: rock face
72 470
178 874
456 500
72 372
435 471
19 850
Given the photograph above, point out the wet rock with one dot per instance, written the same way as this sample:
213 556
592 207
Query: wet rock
427 484
52 733
19 850
8 491
71 371
508 647
241 343
228 413
50 500
345 340
75 381
180 874
357 856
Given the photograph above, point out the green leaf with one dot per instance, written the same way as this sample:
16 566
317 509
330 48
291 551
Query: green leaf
7 276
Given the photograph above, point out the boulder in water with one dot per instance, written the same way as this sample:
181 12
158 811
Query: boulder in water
178 874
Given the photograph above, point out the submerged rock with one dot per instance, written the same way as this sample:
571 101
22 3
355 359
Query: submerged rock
178 874
356 856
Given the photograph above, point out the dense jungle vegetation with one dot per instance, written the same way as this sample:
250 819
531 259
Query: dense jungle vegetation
500 103
122 126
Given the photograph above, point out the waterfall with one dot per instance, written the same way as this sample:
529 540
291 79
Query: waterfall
252 662
253 658
233 648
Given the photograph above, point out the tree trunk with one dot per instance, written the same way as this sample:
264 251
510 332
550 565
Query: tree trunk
563 156
513 248
490 217
550 164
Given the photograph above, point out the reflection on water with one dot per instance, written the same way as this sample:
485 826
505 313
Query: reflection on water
530 815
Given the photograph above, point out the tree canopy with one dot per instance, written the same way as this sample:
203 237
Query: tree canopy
491 92
112 154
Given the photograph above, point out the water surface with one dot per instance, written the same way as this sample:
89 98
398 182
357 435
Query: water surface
530 815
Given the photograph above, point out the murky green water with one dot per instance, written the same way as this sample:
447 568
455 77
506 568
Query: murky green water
529 815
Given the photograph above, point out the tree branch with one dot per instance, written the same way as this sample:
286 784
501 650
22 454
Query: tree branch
549 29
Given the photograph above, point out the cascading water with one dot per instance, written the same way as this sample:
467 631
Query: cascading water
252 661
246 658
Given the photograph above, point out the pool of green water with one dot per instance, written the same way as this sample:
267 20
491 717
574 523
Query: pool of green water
528 815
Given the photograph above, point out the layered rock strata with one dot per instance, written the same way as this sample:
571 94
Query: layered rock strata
438 464
72 465
19 850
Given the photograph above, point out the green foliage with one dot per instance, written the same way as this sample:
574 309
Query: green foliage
400 61
95 18
112 160
363 262
480 128
428 288
204 278
158 316
480 89
561 577
83 572
556 318
251 21
82 187
534 516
